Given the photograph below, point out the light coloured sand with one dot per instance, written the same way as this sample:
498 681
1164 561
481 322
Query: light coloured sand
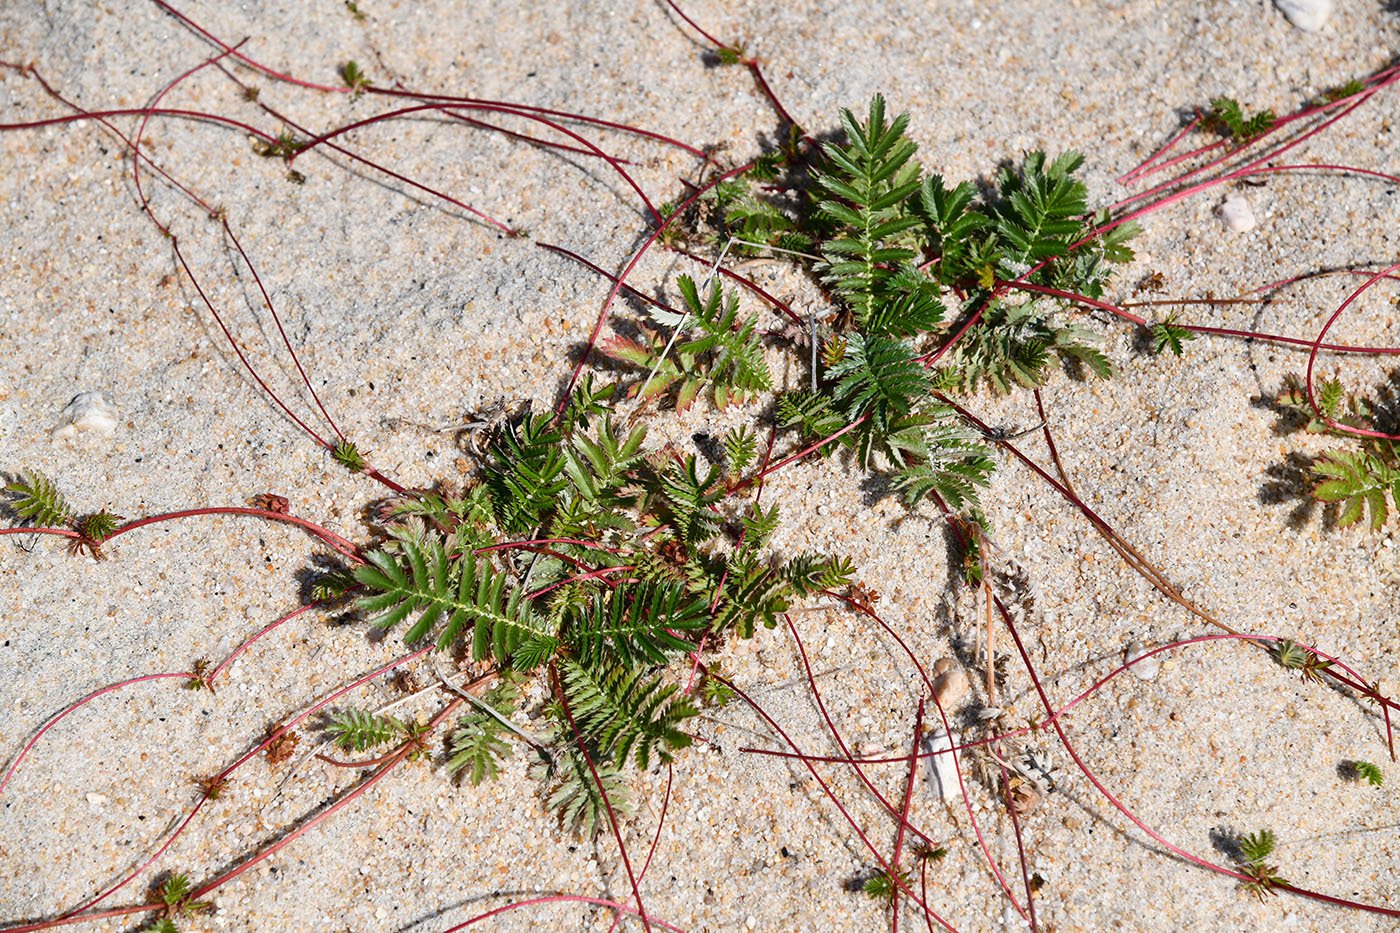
406 312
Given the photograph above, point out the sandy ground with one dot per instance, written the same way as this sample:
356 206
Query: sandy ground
409 314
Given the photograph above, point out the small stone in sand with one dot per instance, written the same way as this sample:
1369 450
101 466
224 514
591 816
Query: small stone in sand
1236 214
1307 15
87 412
950 687
870 750
1146 669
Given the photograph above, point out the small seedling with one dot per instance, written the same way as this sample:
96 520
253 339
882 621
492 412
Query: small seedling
174 894
1227 118
92 531
882 886
928 853
730 54
1350 89
282 748
284 147
349 456
358 731
355 79
1168 335
1254 849
198 678
1357 770
1295 657
213 787
715 692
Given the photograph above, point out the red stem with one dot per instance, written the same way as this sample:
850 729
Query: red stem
141 198
855 763
1312 358
563 114
1137 171
1063 711
325 534
238 351
749 284
267 300
555 899
621 279
14 765
660 822
1108 795
1377 79
100 115
904 809
249 643
291 723
324 814
391 92
947 730
598 783
694 25
1122 312
489 108
758 477
1273 154
99 898
635 293
831 796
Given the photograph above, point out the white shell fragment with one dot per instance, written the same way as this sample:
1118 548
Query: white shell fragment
1236 214
941 771
1143 670
88 412
1307 15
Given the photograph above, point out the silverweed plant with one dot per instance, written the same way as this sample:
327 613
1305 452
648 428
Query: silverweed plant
587 570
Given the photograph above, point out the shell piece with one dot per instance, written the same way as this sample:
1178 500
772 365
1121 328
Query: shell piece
950 686
88 412
941 771
1236 214
1143 670
870 750
1307 15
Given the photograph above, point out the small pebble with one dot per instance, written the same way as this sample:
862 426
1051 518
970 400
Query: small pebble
96 802
87 412
1143 670
871 750
1236 214
1071 822
1307 15
950 687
